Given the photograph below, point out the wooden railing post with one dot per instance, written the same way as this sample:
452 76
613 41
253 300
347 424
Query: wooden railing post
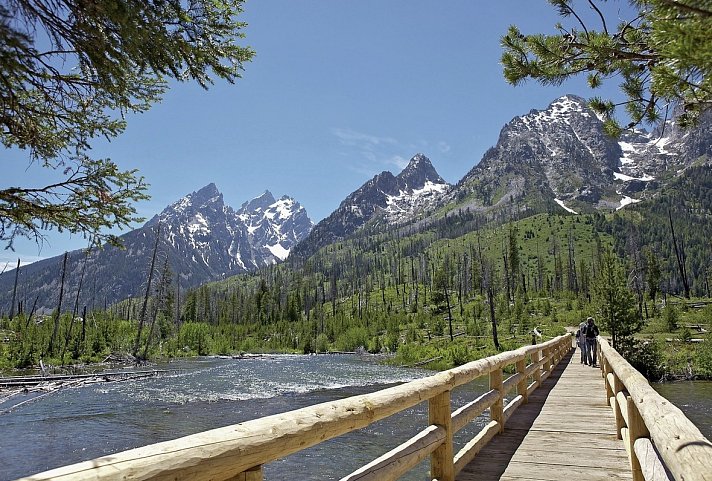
252 474
497 409
442 465
607 370
536 357
620 422
522 384
545 363
636 430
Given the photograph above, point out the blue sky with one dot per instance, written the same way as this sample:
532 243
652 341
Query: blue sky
338 91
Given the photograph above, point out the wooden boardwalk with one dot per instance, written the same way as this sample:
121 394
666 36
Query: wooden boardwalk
566 431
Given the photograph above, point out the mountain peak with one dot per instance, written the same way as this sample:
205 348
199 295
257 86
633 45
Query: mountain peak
419 171
206 195
261 202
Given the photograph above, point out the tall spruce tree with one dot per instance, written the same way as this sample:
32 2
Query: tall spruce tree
615 301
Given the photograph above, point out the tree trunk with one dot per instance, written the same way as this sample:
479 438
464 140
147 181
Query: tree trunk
52 340
14 290
490 298
75 311
449 313
162 288
679 255
142 316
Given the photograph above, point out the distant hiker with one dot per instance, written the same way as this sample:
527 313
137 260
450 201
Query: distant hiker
581 341
535 335
591 334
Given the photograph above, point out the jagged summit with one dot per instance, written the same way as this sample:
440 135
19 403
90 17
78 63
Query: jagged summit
202 239
262 201
394 199
561 155
418 172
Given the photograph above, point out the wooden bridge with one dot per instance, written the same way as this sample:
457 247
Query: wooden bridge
552 419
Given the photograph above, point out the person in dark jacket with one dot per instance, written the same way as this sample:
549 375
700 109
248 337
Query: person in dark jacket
591 333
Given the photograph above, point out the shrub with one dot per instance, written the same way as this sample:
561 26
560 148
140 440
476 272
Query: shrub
643 355
671 317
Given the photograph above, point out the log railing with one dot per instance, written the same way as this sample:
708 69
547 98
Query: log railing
662 444
238 452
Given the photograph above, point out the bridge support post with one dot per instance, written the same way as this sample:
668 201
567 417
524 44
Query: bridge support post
252 474
606 366
497 409
536 357
620 422
636 430
522 385
442 465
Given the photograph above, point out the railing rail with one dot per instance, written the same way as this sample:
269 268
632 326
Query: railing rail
662 444
239 451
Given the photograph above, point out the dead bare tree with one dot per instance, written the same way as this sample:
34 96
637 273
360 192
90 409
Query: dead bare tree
144 307
53 339
680 256
75 311
163 287
14 290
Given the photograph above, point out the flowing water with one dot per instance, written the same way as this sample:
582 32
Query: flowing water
76 424
694 398
82 423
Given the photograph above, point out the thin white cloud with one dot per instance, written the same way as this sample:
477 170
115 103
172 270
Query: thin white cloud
8 262
444 147
359 139
398 161
375 153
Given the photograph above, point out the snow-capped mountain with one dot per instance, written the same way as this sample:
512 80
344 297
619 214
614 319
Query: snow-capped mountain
263 231
560 158
202 238
395 199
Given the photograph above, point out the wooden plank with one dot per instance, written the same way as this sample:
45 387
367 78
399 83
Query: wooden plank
686 452
650 464
400 460
544 439
467 413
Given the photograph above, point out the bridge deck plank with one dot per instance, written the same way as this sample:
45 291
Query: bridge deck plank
565 432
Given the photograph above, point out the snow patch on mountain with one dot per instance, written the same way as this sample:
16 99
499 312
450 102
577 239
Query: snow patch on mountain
278 251
403 205
206 231
628 178
626 201
567 209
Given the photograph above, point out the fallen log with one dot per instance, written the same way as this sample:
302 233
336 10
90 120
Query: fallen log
19 381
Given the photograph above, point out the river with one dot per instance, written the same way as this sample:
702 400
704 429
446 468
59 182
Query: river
76 424
694 398
81 423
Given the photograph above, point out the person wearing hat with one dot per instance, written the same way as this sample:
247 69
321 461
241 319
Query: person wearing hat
591 332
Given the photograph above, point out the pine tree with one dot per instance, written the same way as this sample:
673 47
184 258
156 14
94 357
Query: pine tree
616 303
662 56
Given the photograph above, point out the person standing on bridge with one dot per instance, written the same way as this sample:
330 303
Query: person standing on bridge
581 341
590 333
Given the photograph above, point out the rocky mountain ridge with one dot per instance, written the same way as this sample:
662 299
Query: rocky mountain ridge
392 198
561 156
202 238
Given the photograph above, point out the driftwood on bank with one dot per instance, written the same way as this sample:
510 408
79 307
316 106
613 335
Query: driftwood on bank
96 377
40 386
